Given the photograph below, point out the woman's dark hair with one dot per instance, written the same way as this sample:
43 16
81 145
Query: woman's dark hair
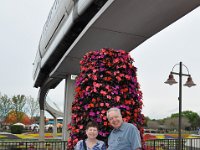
91 124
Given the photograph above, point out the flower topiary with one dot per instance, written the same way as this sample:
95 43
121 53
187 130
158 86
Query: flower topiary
107 79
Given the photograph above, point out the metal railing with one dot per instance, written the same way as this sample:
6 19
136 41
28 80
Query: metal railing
172 144
33 145
157 144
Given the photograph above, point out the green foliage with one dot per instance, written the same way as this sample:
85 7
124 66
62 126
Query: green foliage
146 119
19 102
33 108
5 106
193 117
16 129
20 105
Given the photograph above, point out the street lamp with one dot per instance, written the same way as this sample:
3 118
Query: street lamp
189 83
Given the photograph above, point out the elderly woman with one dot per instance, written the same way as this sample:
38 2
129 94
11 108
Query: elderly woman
91 143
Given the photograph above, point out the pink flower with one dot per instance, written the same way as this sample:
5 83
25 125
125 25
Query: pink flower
99 120
117 98
107 104
109 97
87 88
94 77
103 92
91 113
101 104
95 84
118 78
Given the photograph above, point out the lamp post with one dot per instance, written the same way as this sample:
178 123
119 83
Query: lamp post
189 83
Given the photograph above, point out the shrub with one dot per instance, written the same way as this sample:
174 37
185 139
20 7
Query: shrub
16 129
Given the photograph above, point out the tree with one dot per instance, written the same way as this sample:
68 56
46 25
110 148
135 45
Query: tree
146 119
185 123
11 118
153 124
32 108
19 102
107 79
5 106
193 117
173 123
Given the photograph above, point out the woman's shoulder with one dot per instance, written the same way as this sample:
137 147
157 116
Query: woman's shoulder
100 142
80 141
79 145
102 145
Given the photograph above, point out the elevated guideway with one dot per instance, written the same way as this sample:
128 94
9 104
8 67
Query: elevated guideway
122 24
118 24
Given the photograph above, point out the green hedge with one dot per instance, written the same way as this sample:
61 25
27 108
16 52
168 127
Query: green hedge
16 129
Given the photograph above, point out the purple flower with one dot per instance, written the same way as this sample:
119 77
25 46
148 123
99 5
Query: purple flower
91 113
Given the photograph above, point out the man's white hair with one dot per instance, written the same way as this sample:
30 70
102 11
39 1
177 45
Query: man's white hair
113 109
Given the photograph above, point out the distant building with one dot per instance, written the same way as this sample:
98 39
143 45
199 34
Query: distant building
51 120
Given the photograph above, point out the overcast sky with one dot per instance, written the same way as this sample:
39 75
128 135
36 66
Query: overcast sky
20 30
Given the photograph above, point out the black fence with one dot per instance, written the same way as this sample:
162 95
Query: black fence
33 145
157 144
172 144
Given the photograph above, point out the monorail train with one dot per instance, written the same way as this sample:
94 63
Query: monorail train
120 24
65 21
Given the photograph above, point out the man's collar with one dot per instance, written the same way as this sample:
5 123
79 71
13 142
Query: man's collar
121 128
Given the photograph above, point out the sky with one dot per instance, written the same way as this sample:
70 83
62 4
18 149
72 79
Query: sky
20 30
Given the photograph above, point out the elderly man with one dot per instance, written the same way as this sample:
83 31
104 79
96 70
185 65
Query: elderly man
124 136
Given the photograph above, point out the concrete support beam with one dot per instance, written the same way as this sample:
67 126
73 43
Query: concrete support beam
69 97
51 83
55 128
41 131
